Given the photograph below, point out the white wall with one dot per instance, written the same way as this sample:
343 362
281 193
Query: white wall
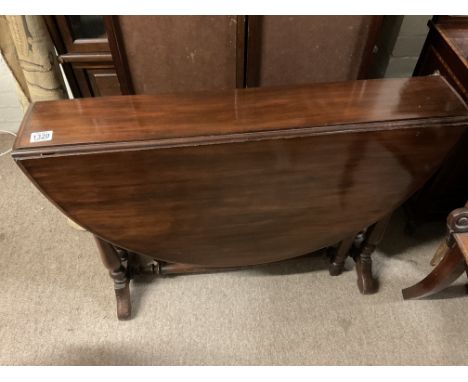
11 112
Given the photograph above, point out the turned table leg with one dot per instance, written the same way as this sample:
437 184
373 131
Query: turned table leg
366 282
113 262
339 256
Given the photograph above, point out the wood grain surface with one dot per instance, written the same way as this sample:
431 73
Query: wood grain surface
261 193
185 116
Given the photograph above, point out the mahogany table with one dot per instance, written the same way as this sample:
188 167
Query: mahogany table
226 179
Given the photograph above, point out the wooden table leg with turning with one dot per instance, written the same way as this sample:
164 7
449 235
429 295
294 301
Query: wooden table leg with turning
361 252
366 282
114 262
339 255
453 263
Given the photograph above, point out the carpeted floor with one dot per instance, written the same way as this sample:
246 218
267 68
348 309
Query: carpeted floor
58 307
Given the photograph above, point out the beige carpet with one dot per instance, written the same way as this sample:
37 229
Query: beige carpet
58 308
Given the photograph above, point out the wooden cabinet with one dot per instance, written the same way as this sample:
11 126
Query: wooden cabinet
160 54
84 52
82 34
445 52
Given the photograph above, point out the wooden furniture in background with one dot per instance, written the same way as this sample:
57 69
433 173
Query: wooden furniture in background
292 50
240 177
159 54
83 50
453 263
446 52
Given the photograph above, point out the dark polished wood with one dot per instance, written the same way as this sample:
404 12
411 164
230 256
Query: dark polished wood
367 284
445 273
453 263
80 57
339 255
79 45
85 57
114 34
242 177
360 247
445 51
241 115
103 82
179 268
57 39
113 262
204 181
253 51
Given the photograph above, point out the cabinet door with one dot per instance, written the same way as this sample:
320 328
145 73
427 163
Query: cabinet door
180 53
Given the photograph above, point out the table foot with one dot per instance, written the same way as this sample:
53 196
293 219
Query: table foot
446 272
